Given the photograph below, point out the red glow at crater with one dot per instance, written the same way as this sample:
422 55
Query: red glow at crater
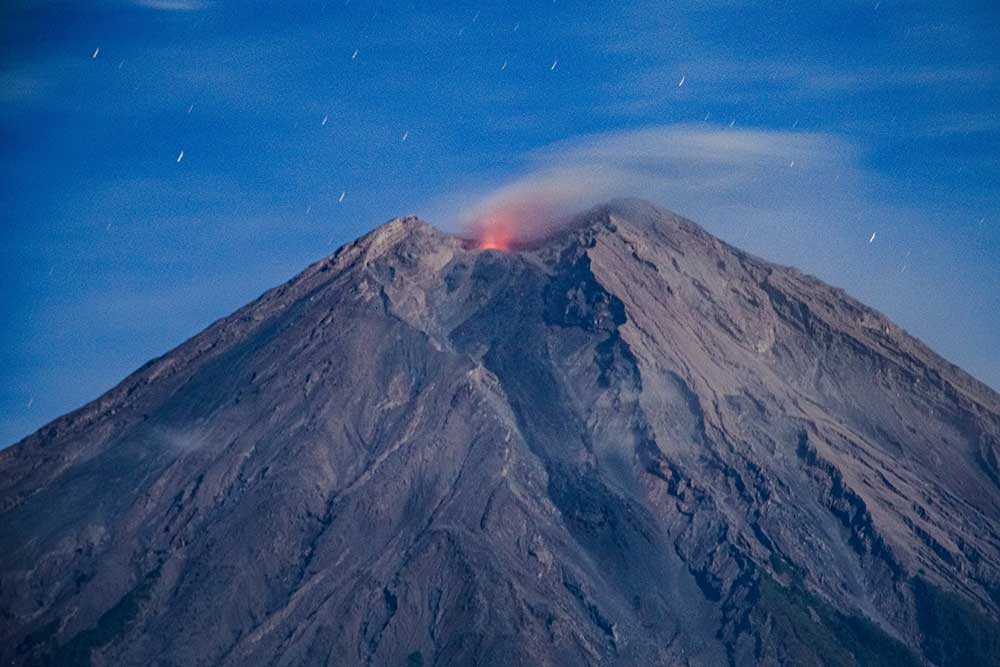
497 230
504 226
495 239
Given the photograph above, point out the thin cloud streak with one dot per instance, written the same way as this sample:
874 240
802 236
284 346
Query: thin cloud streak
173 5
684 165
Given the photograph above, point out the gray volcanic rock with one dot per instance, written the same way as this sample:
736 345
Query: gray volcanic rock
628 443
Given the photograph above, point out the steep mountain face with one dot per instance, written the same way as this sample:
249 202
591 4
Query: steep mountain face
628 443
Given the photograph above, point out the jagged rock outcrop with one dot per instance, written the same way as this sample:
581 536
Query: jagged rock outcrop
626 443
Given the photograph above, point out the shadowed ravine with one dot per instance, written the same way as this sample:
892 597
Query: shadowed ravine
626 443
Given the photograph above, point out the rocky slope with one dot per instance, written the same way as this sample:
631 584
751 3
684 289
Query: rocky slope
628 443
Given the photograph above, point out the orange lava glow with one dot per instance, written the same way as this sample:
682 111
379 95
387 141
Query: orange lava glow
499 230
491 240
510 224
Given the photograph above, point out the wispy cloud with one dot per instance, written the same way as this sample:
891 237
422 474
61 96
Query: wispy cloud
687 166
867 79
172 5
743 82
18 87
960 124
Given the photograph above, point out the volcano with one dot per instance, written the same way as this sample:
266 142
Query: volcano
626 443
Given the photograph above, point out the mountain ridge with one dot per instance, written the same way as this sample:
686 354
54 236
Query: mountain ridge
688 444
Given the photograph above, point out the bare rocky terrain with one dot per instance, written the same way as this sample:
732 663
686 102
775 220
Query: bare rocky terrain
627 443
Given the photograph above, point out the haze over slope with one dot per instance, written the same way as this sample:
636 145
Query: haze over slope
626 443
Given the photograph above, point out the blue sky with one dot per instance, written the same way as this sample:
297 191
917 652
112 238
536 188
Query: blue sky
800 129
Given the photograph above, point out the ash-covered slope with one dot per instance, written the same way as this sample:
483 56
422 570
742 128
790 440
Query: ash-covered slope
627 444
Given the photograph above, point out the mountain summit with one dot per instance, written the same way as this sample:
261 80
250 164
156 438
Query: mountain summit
626 443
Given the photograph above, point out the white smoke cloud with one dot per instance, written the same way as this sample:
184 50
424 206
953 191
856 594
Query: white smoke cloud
713 173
